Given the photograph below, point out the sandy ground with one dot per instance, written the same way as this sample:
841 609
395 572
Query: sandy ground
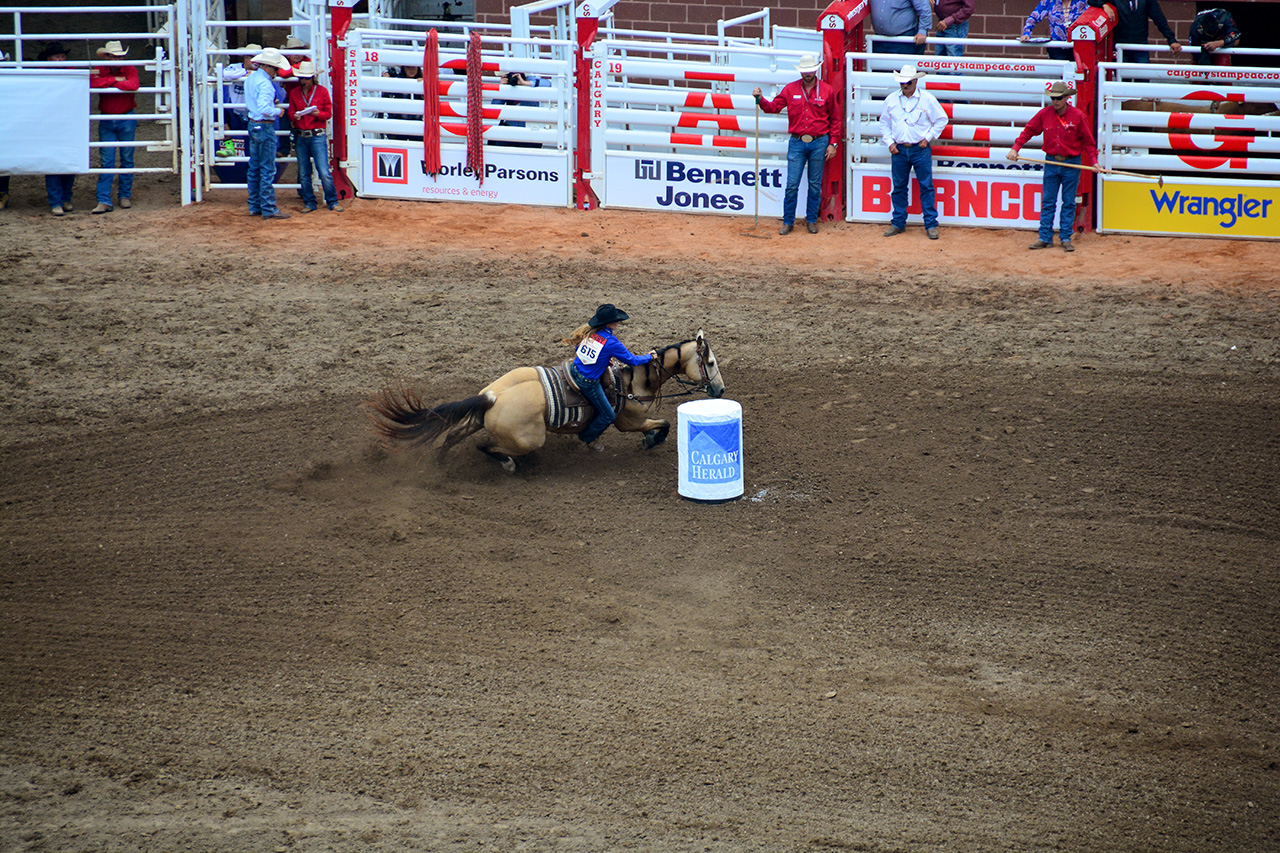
1004 576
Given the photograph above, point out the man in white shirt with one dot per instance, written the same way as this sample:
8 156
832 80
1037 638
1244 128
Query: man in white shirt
909 123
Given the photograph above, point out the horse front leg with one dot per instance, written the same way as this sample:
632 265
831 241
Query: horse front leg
637 419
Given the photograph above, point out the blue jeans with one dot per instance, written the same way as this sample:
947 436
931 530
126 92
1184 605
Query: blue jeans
921 159
1058 179
58 189
595 395
315 149
955 31
262 168
802 155
116 130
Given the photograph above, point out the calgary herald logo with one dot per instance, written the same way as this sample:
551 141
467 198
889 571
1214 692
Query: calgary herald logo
388 166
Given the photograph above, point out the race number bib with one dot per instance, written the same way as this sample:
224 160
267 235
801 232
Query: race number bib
589 350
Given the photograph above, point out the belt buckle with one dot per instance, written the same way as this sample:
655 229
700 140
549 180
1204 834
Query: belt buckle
808 137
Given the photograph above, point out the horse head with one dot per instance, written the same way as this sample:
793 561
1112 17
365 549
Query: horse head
705 368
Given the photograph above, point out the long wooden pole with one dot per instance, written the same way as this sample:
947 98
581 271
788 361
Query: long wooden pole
1093 169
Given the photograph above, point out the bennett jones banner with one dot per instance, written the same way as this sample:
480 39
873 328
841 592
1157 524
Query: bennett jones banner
989 199
527 177
684 184
1207 210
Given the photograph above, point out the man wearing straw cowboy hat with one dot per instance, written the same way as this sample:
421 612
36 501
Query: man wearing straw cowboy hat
814 125
260 99
910 121
117 85
1067 141
309 110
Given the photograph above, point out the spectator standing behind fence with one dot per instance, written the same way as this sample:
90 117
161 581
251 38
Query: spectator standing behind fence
901 18
1061 14
953 23
264 109
814 125
1067 140
310 108
910 121
58 188
116 85
1213 29
1131 26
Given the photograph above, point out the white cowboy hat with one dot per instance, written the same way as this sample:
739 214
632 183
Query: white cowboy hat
292 42
113 48
271 56
1060 89
305 69
907 73
809 64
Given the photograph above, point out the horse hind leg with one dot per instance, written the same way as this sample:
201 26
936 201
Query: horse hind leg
507 462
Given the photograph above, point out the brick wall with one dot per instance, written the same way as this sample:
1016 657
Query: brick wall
991 19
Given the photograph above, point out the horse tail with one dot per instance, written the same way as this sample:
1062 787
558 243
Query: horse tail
399 415
575 337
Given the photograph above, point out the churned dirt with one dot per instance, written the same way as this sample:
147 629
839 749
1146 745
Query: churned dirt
1004 576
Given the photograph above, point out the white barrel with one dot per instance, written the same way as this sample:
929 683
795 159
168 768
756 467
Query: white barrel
710 441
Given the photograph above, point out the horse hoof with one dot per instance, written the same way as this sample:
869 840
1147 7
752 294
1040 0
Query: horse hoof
509 465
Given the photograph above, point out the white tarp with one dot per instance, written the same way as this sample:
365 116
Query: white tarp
46 121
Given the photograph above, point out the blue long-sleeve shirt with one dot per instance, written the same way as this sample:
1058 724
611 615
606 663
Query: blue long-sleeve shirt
901 17
593 354
260 97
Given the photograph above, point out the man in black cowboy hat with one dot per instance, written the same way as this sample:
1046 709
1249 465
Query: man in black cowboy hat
591 360
58 188
1067 140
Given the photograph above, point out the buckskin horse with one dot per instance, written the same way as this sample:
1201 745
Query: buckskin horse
518 409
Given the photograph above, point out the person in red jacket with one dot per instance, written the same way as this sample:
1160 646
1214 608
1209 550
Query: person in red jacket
310 108
1067 140
116 85
814 124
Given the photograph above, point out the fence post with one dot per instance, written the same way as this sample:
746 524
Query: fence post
343 99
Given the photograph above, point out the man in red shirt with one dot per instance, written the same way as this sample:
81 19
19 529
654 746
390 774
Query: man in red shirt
309 110
1067 139
814 124
117 85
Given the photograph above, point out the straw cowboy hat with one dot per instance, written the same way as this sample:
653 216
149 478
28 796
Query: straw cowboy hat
271 56
1060 89
907 73
809 64
113 48
607 314
292 42
305 69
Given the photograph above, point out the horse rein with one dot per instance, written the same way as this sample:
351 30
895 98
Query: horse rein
692 387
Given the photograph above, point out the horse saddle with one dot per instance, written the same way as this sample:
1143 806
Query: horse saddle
567 409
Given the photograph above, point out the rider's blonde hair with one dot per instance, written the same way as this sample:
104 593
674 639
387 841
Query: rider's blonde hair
576 336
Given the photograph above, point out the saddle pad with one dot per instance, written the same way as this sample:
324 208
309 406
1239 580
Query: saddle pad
567 409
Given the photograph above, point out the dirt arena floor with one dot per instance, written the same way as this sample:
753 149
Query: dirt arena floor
1004 578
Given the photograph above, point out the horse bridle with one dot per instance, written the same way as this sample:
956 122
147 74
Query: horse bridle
692 387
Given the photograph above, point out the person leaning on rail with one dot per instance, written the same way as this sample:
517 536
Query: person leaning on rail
1131 25
1067 141
1060 14
1213 29
814 125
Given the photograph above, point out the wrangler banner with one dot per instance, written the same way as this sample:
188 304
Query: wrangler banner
1191 209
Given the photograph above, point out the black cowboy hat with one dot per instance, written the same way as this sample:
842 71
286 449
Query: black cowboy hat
607 314
53 48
